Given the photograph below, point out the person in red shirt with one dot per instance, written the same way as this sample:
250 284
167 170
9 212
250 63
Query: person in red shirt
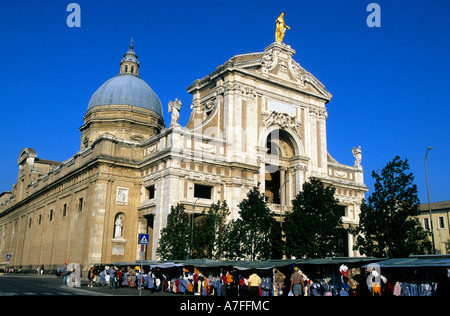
119 278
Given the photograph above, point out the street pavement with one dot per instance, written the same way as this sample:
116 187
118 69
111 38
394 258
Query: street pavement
45 285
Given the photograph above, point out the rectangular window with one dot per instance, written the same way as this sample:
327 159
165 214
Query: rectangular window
80 204
202 191
441 222
51 215
64 209
426 224
343 210
151 192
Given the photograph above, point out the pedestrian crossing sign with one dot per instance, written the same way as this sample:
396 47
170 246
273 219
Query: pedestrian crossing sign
143 239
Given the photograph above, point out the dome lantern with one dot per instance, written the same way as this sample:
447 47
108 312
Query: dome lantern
130 63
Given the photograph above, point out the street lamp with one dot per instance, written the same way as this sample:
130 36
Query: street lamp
429 205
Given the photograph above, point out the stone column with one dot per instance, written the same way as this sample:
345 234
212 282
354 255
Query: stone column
350 245
282 186
298 184
158 218
288 186
312 148
169 191
294 184
262 177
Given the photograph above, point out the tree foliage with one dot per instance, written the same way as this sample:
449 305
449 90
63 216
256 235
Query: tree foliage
255 234
175 237
314 226
210 232
389 225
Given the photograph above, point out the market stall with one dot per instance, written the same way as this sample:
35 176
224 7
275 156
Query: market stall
412 276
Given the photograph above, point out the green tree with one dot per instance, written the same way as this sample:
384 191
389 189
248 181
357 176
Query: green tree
210 232
313 228
175 237
255 234
389 225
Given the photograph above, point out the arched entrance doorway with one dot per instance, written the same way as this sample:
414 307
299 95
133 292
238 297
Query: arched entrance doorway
282 151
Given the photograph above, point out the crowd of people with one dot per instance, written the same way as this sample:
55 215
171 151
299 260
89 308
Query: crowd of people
182 281
112 276
251 282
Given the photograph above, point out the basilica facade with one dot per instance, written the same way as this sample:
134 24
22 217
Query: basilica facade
257 120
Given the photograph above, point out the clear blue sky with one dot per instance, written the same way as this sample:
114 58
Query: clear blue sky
390 84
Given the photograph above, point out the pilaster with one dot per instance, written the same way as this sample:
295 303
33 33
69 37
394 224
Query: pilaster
98 222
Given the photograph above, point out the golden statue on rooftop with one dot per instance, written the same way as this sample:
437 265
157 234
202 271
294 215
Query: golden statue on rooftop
281 28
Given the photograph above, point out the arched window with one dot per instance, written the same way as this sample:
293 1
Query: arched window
126 68
132 69
280 143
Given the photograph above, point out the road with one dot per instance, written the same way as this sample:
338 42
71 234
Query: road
36 286
50 285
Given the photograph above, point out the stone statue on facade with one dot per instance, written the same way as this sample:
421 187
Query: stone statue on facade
358 155
175 108
280 28
118 227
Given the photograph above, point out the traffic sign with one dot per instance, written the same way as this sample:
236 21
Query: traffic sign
143 239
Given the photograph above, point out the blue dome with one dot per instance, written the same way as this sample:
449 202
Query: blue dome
127 89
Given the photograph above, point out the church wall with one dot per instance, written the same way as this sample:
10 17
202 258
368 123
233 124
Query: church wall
121 250
124 153
249 97
45 232
98 206
36 232
51 221
175 170
69 213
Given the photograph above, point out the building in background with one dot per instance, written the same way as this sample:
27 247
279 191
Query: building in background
440 217
258 119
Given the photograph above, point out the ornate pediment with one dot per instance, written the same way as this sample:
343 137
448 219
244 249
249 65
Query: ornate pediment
274 64
277 62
